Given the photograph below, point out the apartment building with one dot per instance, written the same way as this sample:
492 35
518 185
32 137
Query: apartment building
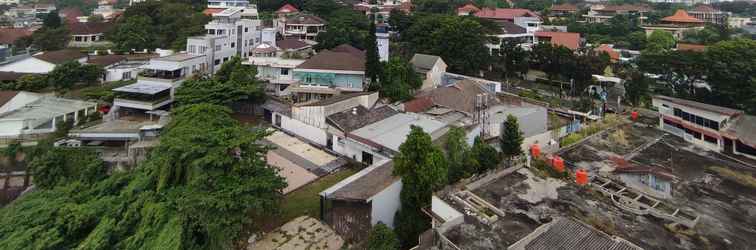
233 32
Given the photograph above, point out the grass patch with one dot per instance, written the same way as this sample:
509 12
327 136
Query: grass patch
738 177
305 200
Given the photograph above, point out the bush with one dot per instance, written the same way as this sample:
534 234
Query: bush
382 238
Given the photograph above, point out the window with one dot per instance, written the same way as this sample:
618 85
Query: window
217 47
710 139
192 49
126 75
233 45
367 158
284 72
211 32
225 59
678 112
246 29
77 38
217 61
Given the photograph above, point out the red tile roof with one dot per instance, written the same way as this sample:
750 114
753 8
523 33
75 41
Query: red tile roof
691 47
89 28
567 39
292 43
10 35
613 54
71 13
340 58
211 11
287 8
564 7
418 104
60 56
6 96
681 16
508 14
106 60
468 8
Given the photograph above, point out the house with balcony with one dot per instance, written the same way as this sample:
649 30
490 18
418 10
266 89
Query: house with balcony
600 13
516 25
677 24
721 129
157 83
88 34
276 60
382 8
563 10
27 114
710 15
232 32
301 26
329 73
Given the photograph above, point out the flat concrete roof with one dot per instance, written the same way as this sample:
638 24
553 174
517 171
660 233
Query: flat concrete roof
392 132
149 88
47 107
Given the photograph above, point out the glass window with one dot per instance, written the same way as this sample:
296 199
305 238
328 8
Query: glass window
285 72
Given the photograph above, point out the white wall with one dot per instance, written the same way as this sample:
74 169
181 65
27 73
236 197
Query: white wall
301 129
353 149
385 204
29 65
11 127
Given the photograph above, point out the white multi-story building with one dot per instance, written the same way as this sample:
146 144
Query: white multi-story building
232 32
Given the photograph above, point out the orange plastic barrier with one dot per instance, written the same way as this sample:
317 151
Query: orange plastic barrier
535 150
557 163
581 177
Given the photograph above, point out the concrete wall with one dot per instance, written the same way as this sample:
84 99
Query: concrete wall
385 204
353 149
29 65
532 119
301 129
636 181
11 127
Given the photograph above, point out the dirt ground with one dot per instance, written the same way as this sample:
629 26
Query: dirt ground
301 233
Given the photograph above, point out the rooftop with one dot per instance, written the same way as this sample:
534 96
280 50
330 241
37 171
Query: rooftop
368 183
335 60
681 16
570 40
287 8
123 125
10 35
140 87
744 127
60 56
699 105
336 99
459 96
89 28
292 44
564 7
571 234
625 8
106 60
178 57
358 117
508 14
46 107
423 62
305 19
391 132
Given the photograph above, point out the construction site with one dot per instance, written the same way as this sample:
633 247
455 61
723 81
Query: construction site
699 199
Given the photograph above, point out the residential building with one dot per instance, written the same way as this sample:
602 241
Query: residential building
570 40
43 62
708 14
10 2
362 200
382 8
431 69
650 180
286 10
600 13
310 120
517 25
563 10
472 104
224 4
26 114
107 11
232 32
721 129
157 83
276 61
301 26
510 32
117 67
88 34
677 24
329 73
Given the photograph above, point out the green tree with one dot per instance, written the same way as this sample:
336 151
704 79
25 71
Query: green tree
637 40
459 40
50 38
52 20
398 80
731 69
484 154
345 26
134 33
659 41
322 8
587 63
555 61
399 20
512 60
510 140
66 75
637 88
423 169
11 153
372 61
31 82
458 155
61 165
382 238
232 83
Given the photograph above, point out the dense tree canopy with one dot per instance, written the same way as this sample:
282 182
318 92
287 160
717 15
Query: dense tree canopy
423 169
158 24
398 80
194 191
510 140
460 41
345 26
233 82
66 75
459 156
382 238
